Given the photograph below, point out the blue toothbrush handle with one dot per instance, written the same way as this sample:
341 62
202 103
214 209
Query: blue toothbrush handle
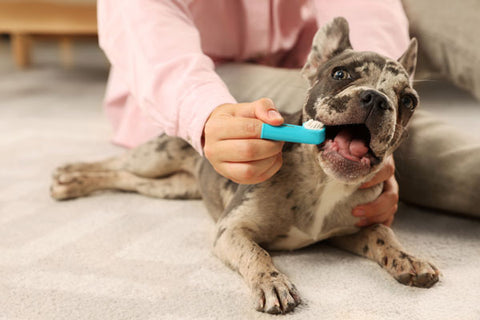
292 133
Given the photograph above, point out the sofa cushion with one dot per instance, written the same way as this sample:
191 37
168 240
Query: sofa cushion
449 44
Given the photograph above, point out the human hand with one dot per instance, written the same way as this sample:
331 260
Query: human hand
232 141
383 209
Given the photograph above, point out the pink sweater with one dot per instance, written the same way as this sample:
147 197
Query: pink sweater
163 52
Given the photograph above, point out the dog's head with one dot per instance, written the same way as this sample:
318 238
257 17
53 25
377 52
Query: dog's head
364 99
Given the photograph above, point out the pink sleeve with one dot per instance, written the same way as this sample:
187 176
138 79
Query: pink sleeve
155 48
375 25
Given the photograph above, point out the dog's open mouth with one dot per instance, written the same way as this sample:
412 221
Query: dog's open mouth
351 142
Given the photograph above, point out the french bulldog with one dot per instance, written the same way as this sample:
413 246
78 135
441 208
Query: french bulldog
365 101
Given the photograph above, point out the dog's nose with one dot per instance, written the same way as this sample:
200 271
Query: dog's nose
371 98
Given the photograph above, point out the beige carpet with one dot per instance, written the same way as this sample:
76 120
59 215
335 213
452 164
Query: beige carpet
124 256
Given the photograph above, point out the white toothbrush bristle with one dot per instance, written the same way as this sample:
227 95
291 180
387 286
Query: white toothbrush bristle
313 125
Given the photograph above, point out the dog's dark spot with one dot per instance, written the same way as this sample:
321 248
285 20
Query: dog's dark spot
248 230
365 249
230 185
288 146
242 194
185 146
403 255
294 208
385 261
394 263
219 234
289 194
274 274
380 242
395 71
161 146
339 104
261 274
366 71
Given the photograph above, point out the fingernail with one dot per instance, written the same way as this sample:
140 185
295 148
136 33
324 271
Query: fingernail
358 212
273 114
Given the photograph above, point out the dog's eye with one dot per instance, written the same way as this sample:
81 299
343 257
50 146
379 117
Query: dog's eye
340 74
408 101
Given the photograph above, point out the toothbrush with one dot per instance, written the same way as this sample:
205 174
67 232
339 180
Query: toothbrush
311 132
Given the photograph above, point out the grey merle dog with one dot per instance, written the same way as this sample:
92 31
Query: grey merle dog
365 101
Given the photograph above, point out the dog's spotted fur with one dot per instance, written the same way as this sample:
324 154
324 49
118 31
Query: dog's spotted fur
312 195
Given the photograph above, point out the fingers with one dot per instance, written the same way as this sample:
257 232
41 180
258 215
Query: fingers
242 121
266 112
225 128
250 172
381 210
241 150
385 172
232 141
262 109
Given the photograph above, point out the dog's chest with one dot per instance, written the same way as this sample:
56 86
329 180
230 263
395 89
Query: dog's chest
319 224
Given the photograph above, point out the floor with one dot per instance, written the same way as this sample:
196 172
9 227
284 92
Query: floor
124 256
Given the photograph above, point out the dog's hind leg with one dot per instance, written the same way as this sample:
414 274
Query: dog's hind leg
158 157
71 185
163 167
379 244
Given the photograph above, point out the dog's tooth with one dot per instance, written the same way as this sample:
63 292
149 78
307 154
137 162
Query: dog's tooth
335 146
365 161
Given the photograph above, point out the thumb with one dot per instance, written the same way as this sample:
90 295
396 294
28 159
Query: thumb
266 112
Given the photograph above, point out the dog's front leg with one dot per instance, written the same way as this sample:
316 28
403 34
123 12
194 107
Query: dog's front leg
271 290
379 244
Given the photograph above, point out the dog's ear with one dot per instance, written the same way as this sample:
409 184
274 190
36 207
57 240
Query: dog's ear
409 57
330 40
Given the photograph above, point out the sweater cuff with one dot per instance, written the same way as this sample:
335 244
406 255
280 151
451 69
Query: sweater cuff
195 109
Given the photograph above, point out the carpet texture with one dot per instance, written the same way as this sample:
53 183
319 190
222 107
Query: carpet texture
125 256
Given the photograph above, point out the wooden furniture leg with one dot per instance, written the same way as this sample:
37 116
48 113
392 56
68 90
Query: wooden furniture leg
21 45
66 52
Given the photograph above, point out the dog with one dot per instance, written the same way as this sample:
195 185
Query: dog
365 101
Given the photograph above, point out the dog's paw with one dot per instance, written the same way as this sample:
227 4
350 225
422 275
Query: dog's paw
68 185
69 167
412 271
275 294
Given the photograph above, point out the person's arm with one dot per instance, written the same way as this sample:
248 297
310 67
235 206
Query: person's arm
155 48
379 26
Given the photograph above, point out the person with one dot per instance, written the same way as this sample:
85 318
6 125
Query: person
166 57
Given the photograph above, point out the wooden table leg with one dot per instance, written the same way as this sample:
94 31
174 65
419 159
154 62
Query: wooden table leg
66 52
21 45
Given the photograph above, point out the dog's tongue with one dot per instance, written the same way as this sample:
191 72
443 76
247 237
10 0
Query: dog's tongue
350 147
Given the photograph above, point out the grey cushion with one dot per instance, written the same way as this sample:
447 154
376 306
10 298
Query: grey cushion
449 42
